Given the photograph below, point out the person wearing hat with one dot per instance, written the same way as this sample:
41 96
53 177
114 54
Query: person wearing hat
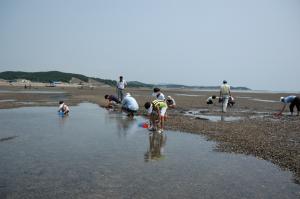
158 94
224 95
129 105
293 101
120 87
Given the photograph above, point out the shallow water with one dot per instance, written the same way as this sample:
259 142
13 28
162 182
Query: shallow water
94 153
213 118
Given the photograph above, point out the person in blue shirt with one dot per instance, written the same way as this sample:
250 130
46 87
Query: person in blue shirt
129 105
293 101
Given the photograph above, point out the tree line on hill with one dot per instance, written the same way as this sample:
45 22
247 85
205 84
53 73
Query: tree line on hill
46 77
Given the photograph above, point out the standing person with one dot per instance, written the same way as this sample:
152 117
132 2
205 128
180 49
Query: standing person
293 101
224 95
121 84
129 105
158 94
156 111
63 108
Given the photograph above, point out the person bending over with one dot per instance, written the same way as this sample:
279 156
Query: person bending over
156 111
293 101
63 108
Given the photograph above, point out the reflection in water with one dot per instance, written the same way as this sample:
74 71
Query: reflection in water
125 125
157 142
81 156
62 119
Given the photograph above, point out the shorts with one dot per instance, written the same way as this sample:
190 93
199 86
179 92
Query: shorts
162 112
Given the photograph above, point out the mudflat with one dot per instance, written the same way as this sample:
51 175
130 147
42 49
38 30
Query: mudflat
249 127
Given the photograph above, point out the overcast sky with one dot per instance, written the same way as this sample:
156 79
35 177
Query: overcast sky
254 43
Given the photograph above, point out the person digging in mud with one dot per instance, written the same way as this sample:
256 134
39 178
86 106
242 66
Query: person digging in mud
129 105
156 111
112 101
293 101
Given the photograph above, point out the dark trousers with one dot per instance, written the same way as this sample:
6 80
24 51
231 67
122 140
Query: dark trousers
295 102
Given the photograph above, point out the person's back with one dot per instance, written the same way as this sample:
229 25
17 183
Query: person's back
114 98
130 103
225 89
158 94
224 95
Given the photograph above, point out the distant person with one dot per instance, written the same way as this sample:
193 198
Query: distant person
171 102
158 94
156 111
293 101
211 99
129 105
224 95
63 108
121 84
112 100
231 101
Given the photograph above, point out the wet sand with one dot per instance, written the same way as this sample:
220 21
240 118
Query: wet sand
248 128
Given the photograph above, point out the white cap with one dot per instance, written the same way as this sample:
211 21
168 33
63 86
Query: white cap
128 94
282 99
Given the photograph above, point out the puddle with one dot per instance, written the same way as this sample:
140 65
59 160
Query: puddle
94 153
216 118
7 100
187 95
242 97
213 118
262 100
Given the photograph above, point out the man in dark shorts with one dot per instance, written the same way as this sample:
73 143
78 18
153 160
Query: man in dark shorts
293 101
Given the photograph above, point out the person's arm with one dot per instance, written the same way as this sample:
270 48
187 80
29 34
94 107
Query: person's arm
60 107
281 111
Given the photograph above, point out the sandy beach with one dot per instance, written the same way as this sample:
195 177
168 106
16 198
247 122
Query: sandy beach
249 127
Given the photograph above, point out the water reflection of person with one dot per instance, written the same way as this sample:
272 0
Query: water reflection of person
157 142
125 125
62 120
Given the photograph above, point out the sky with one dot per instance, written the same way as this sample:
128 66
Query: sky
252 43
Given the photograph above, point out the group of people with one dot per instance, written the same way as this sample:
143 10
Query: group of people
225 97
157 109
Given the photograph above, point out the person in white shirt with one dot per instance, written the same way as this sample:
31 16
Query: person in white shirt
63 108
224 95
171 102
211 99
120 88
158 94
293 101
129 105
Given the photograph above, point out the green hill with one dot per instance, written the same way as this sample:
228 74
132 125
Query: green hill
44 77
